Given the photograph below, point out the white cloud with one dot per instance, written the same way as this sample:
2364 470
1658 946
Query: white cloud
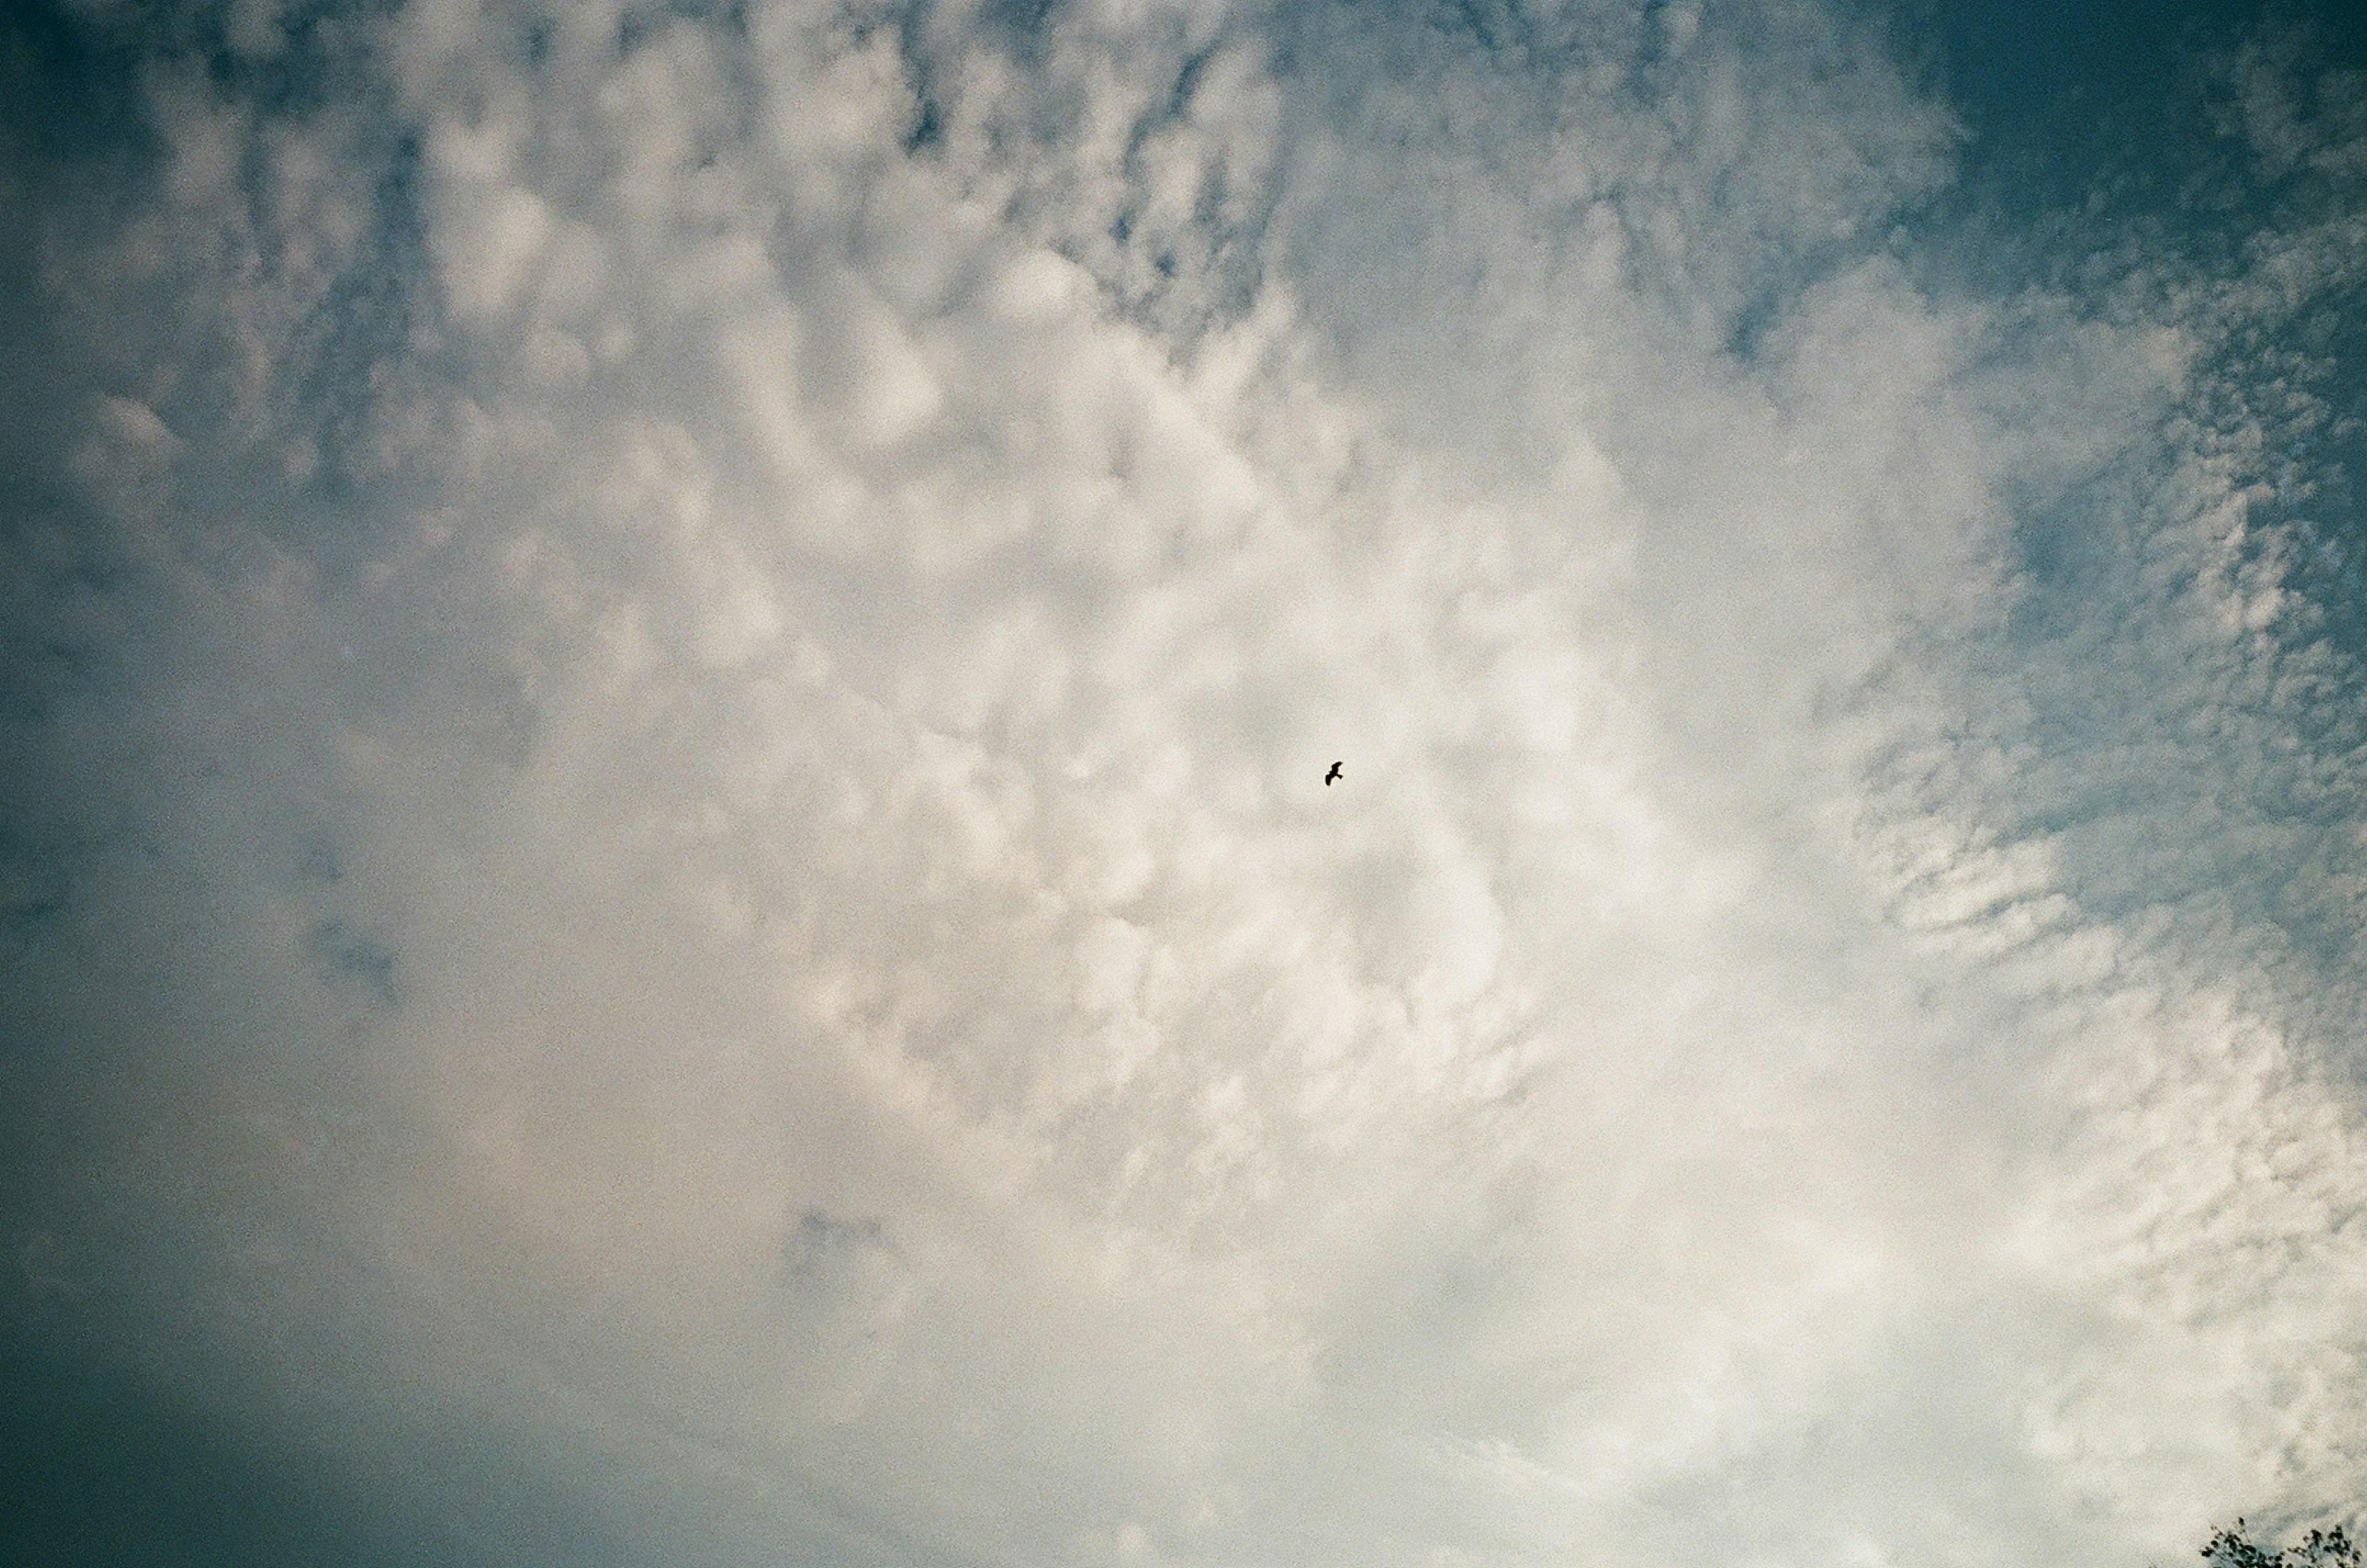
747 895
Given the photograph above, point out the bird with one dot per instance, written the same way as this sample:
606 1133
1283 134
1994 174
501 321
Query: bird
1331 775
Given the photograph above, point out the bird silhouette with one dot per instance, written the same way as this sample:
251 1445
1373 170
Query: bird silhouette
1333 774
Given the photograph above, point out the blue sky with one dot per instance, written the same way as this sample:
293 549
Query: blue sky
666 893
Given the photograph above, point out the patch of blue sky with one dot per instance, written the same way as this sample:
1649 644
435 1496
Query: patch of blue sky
2119 152
2197 169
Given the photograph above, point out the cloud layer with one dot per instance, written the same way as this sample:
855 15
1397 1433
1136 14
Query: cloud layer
671 675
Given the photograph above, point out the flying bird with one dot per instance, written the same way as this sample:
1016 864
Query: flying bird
1333 774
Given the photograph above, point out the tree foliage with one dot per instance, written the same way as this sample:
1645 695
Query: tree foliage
2319 1549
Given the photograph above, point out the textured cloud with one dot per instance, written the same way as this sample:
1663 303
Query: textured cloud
670 675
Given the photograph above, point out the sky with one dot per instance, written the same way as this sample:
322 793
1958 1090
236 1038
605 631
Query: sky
667 894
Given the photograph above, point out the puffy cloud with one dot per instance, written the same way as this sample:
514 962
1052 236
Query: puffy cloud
671 696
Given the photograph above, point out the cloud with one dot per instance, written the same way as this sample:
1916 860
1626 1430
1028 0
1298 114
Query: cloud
670 699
